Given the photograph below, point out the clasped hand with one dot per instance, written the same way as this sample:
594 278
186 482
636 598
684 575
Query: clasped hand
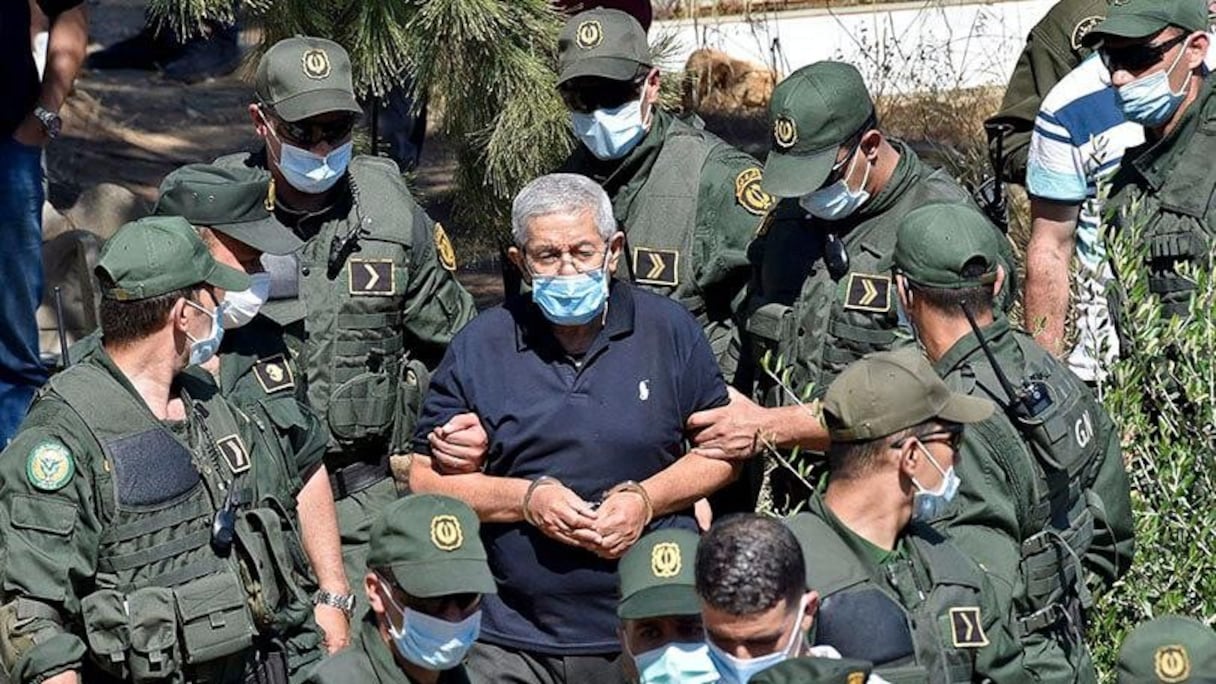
607 531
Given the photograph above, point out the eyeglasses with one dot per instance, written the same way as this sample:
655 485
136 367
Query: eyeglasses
440 605
584 258
309 134
951 435
836 256
586 96
1136 58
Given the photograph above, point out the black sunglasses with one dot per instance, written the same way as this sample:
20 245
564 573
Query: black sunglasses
1136 58
308 134
586 96
953 432
836 256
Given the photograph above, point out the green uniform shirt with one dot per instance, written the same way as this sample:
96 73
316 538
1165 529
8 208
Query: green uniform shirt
1002 486
934 595
819 325
369 659
690 204
1053 49
1174 183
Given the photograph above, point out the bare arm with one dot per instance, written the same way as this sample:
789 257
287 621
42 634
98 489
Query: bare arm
678 486
69 38
495 499
1048 260
323 546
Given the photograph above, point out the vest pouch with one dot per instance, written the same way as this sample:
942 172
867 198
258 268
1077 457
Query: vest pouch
362 407
215 617
104 614
263 539
154 652
412 386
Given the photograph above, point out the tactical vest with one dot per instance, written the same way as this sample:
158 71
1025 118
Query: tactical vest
172 601
361 380
1067 457
661 225
923 625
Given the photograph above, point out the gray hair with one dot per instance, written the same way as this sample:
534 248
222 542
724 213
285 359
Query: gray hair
561 193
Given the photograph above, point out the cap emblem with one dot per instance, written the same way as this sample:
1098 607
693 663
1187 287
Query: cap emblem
589 34
316 63
785 132
446 534
1172 663
856 678
665 560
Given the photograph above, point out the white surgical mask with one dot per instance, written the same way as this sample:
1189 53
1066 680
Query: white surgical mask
430 642
929 505
837 201
611 133
735 670
202 349
241 307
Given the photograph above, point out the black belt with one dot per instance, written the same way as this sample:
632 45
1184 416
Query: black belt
356 477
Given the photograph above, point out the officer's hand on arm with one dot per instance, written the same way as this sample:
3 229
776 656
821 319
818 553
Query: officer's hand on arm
559 513
459 445
731 432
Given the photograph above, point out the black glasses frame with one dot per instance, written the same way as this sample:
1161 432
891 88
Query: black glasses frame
1136 58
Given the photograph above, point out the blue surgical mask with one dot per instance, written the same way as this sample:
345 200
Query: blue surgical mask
1148 100
733 670
611 133
837 201
572 299
430 642
676 663
930 505
202 349
311 173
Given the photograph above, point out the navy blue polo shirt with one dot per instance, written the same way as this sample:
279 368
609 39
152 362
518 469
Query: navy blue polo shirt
616 414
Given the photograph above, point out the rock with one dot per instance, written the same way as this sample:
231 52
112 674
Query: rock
714 80
68 261
54 223
103 208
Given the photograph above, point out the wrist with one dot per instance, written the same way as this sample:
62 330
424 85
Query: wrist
635 488
526 505
50 121
344 602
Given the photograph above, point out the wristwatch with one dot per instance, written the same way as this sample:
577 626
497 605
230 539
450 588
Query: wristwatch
50 121
343 602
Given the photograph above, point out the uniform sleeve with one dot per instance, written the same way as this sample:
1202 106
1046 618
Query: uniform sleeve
436 305
51 535
445 398
1109 500
984 520
1001 660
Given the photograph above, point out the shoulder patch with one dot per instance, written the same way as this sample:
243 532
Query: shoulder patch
868 292
967 628
273 374
371 277
49 466
656 266
1083 28
232 449
749 195
443 246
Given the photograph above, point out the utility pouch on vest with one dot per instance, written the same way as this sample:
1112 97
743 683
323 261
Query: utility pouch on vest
362 407
262 543
104 614
769 323
414 380
23 625
215 617
154 652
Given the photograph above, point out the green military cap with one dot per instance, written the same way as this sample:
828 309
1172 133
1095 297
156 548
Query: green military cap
815 671
657 576
813 112
1144 18
232 201
886 392
1168 649
160 254
607 43
936 241
302 76
432 546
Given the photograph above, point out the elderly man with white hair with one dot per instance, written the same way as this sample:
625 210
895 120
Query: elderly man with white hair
583 384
